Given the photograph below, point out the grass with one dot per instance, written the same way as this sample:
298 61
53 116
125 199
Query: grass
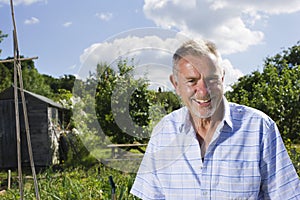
72 184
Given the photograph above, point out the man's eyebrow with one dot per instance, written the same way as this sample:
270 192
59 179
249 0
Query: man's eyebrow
214 76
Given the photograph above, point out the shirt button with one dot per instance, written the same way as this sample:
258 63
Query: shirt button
204 193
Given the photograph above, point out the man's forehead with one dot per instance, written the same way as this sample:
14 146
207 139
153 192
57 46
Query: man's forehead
199 62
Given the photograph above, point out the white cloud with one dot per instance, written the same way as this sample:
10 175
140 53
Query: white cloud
24 2
226 22
104 16
67 24
275 7
145 50
72 67
152 55
32 20
231 74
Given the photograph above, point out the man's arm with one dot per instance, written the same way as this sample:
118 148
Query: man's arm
279 177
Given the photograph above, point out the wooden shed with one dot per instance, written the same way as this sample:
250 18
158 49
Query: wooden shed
44 117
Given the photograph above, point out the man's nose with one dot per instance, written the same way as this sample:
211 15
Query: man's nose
201 88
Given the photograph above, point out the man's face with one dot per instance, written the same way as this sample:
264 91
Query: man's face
199 83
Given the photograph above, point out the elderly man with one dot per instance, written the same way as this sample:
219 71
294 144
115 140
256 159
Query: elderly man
210 148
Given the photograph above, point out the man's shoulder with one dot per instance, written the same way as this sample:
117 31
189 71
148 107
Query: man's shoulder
172 122
179 115
239 111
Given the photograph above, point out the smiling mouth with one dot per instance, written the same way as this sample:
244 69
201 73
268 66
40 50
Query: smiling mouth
203 101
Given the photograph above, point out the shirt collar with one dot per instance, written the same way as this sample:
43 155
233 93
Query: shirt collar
186 125
227 116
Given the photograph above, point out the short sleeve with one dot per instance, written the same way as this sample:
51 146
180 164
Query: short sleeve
146 184
279 177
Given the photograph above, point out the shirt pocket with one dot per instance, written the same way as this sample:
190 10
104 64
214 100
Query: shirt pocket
238 180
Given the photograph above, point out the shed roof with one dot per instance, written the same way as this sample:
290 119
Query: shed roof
8 93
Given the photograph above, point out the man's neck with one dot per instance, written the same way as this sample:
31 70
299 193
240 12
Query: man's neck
202 125
206 127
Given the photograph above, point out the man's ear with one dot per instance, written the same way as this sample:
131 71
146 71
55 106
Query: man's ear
174 83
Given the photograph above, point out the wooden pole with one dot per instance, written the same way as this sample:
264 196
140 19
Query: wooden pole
18 70
20 59
17 110
9 179
28 134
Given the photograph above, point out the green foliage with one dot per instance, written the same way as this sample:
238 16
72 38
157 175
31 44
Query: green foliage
59 89
77 154
289 57
2 36
168 100
294 153
76 183
65 82
162 104
84 115
122 103
6 77
114 107
32 80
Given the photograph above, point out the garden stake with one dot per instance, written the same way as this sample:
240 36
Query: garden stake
113 188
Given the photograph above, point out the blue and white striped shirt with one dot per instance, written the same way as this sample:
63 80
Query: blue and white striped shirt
246 159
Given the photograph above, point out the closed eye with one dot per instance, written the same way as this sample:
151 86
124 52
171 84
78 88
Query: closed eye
191 81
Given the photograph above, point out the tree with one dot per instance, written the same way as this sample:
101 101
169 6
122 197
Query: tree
32 80
122 103
5 77
290 57
125 108
168 100
65 82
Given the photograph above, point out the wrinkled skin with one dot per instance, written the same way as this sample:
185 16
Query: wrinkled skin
199 83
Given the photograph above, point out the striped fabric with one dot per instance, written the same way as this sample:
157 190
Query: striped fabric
246 159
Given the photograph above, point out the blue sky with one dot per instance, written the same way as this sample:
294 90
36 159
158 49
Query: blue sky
68 36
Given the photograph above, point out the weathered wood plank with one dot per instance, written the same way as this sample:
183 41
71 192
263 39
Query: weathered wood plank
41 136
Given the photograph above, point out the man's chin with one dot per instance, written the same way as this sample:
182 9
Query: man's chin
202 114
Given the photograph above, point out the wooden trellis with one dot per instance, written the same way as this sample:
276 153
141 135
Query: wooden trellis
18 79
